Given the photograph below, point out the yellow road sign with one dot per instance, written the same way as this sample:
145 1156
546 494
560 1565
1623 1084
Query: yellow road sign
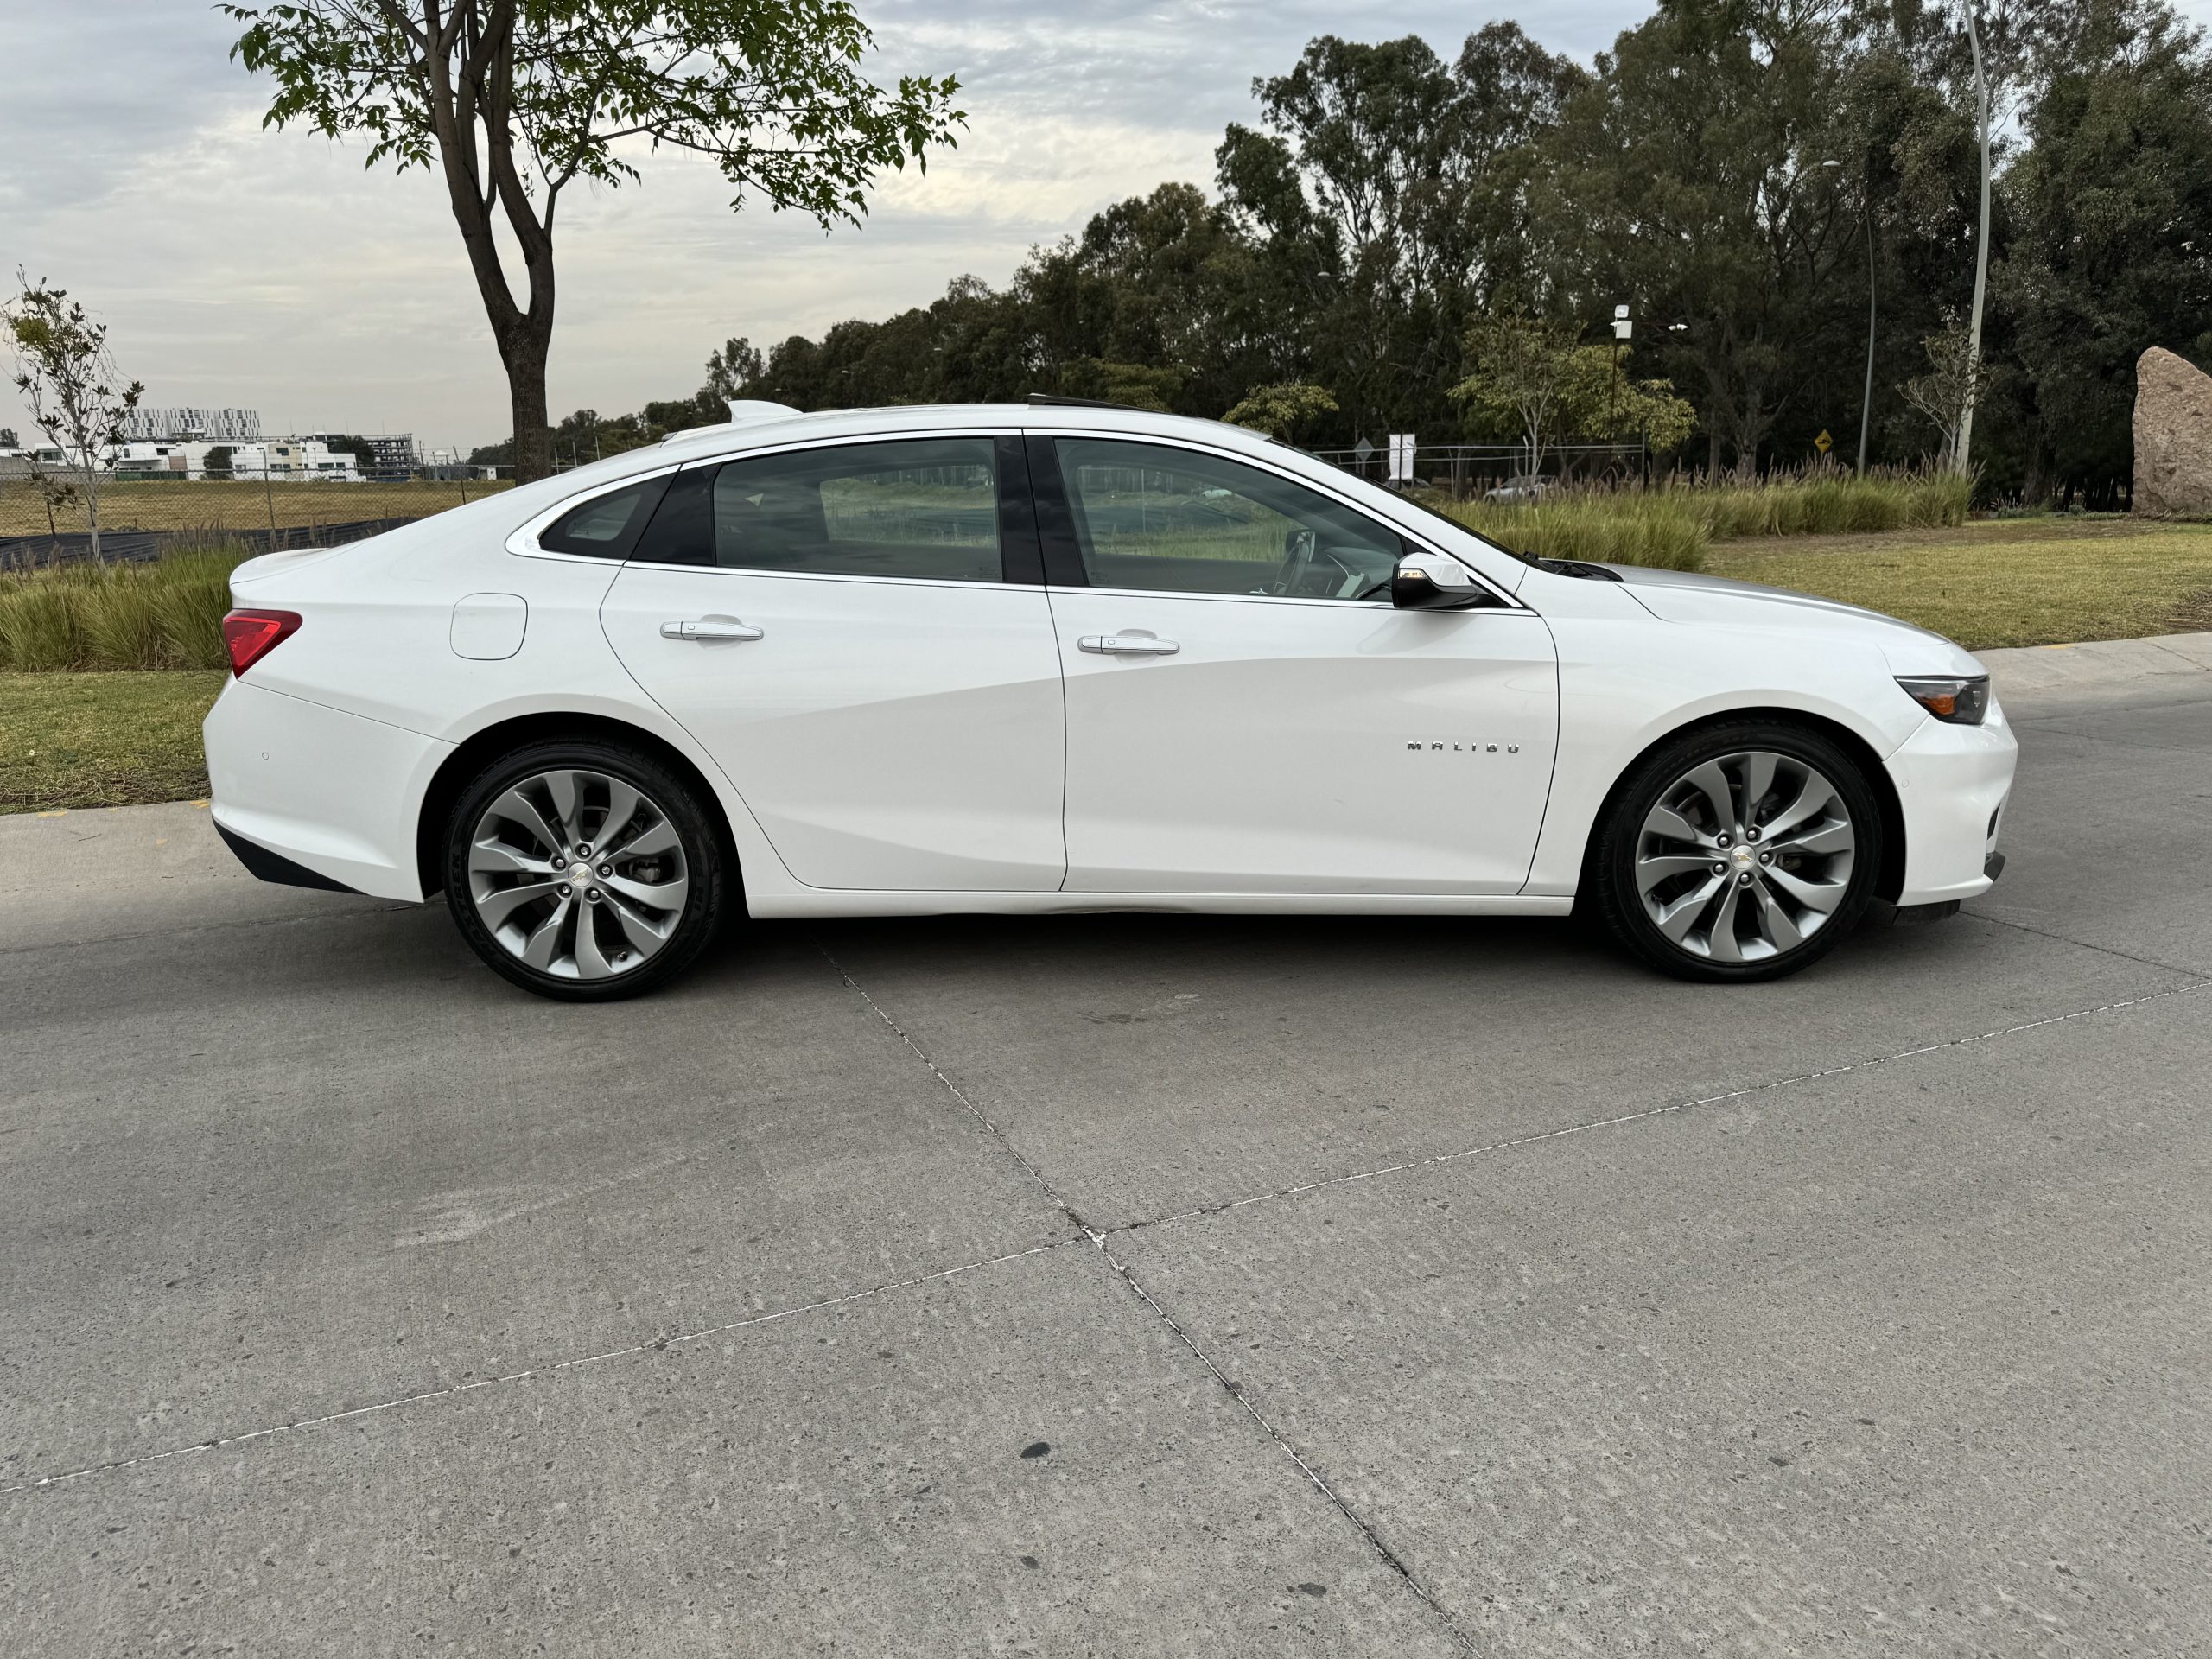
1824 443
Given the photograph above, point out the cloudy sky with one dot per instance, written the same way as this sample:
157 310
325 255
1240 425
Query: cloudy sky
269 270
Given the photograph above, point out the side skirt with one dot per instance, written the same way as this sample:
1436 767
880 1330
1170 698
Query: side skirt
823 902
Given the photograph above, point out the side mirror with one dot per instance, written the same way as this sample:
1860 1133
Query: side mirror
1431 581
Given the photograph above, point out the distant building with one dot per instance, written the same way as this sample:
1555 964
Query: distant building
178 425
282 461
391 454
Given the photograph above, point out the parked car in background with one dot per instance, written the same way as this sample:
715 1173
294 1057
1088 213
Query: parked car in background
1522 486
1068 658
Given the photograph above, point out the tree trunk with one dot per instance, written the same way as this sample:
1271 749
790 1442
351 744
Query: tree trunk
2042 463
525 352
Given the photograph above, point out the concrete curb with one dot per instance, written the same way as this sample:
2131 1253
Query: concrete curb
2097 664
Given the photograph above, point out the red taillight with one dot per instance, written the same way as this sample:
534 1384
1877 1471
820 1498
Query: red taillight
251 635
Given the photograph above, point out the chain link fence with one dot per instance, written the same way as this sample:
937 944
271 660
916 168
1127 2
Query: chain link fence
43 517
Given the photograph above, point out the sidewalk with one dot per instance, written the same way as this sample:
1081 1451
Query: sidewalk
2100 664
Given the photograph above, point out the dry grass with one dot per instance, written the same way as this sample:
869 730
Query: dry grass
102 740
216 505
2030 582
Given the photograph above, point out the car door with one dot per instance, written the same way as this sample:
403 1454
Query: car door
1248 713
835 625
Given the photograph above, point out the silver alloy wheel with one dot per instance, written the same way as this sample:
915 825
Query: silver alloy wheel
1745 856
578 875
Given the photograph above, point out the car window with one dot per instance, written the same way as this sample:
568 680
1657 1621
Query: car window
605 526
921 509
1147 516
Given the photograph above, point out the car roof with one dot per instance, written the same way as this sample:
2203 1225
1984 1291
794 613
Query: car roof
767 431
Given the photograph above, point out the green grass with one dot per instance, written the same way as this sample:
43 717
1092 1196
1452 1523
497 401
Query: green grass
165 614
102 740
2022 582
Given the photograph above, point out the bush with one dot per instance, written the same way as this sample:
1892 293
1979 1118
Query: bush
164 614
1670 524
1654 529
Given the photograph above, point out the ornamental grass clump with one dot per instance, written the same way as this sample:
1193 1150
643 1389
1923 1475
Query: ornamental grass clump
167 614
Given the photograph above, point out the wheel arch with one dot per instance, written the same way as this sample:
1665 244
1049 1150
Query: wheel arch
479 750
1888 883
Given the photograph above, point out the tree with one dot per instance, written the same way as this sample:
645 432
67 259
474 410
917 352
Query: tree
218 463
1389 195
1949 393
1282 411
511 101
69 385
1689 176
732 370
2110 246
1524 372
1599 402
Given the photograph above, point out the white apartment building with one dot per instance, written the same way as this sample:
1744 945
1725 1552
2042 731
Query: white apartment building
281 461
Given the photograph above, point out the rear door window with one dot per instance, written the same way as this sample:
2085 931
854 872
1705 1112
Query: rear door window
912 509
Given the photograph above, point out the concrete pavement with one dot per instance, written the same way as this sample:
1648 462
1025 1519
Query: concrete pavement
1154 1285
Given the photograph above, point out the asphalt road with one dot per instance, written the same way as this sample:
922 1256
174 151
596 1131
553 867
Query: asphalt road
1120 1286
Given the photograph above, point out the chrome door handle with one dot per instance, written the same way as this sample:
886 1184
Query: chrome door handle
710 627
1128 645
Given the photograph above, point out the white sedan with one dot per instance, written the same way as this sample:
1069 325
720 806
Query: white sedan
1070 658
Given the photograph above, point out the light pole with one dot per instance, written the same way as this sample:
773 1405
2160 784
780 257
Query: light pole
1981 244
1866 399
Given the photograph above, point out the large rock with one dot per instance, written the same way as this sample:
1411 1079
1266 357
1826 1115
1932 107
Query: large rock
2173 436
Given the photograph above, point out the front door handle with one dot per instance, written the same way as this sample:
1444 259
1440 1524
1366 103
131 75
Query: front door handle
1128 645
710 627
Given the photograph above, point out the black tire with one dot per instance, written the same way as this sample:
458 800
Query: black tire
706 867
1610 878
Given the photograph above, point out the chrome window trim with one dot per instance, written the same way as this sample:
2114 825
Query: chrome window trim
522 542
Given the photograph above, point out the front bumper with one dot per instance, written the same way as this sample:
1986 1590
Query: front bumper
1952 782
318 792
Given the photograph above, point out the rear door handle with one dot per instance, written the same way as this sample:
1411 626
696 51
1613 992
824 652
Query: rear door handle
710 627
1128 645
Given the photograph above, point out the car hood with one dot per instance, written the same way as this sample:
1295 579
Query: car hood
1690 596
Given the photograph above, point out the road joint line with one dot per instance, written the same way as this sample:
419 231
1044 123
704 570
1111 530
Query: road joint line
1122 1270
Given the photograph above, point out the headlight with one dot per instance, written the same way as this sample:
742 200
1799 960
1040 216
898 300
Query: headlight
1962 699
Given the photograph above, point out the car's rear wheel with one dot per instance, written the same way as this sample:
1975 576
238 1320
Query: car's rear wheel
586 871
1744 851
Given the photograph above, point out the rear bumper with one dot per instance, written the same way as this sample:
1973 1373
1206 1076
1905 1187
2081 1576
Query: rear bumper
311 796
1952 782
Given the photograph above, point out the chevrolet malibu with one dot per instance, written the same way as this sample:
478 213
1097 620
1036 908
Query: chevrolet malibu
1067 657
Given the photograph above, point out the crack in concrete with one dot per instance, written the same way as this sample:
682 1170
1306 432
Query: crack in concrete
2064 938
553 1369
1122 1270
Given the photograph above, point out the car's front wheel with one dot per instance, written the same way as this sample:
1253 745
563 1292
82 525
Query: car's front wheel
1739 852
586 871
